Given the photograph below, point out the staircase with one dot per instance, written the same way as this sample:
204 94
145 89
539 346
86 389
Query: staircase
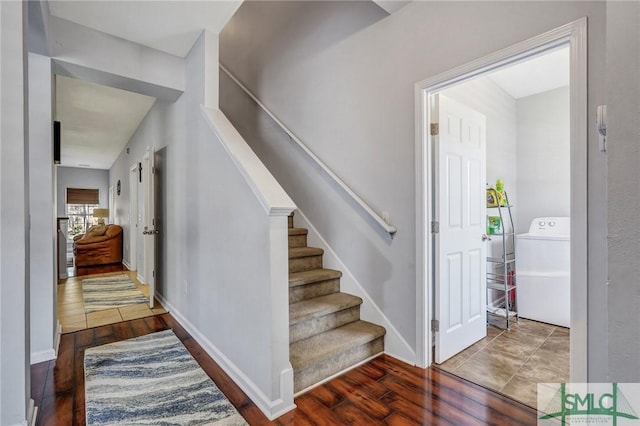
326 335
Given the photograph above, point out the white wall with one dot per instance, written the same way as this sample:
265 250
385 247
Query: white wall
14 264
352 102
216 234
43 223
623 99
543 159
77 177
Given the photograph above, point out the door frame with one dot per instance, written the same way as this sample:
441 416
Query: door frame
148 220
573 34
133 217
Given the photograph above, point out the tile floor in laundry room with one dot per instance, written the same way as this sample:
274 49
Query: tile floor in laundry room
514 361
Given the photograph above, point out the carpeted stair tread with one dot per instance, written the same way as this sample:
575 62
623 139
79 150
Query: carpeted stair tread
321 306
318 348
312 276
298 252
298 231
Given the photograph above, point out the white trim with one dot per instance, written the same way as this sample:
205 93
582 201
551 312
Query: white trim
274 199
386 226
32 413
48 354
394 344
42 356
126 264
272 409
140 278
574 33
133 219
56 339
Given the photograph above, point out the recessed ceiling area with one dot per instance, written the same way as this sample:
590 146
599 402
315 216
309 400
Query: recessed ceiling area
96 121
169 26
539 74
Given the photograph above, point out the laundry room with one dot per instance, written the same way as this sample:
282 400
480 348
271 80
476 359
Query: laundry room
527 110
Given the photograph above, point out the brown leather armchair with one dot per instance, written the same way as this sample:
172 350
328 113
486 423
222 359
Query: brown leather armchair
101 245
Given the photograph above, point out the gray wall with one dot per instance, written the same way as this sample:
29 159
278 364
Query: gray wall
623 99
76 177
543 159
14 263
352 103
216 231
43 223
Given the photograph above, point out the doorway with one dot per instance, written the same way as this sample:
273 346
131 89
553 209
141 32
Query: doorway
430 198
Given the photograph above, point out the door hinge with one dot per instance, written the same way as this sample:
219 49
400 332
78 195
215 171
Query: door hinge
435 129
153 170
154 274
435 227
435 325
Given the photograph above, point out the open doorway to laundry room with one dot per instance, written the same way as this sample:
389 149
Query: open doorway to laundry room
504 170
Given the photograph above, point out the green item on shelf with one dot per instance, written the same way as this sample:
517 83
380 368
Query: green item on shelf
494 225
502 200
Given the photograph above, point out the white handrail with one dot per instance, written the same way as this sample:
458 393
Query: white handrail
386 226
273 198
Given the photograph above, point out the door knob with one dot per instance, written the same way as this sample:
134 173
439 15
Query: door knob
485 237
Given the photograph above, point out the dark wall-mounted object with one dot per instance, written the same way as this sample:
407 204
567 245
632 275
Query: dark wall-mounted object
56 142
140 172
118 187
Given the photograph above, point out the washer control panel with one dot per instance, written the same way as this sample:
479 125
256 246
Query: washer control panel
550 226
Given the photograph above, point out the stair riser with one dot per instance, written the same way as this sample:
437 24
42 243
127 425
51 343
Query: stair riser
297 241
306 263
314 326
316 373
309 291
290 221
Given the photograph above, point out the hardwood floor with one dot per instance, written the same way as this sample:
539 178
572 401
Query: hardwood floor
383 391
80 271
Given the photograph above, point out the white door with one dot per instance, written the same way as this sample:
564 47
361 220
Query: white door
148 228
460 253
133 218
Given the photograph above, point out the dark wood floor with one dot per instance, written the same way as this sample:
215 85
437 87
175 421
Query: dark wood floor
382 391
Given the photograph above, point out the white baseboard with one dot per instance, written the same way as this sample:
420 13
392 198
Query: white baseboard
271 409
140 279
126 264
56 341
42 356
394 344
48 354
32 413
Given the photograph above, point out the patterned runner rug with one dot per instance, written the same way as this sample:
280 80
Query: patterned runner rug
152 380
110 292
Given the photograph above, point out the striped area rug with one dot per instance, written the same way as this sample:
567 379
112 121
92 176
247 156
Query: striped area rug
110 292
152 380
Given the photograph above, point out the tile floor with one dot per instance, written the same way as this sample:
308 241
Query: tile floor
514 361
71 306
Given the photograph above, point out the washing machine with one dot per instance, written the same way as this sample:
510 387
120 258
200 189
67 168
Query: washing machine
543 271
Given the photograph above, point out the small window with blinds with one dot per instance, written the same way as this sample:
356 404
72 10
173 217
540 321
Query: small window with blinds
80 205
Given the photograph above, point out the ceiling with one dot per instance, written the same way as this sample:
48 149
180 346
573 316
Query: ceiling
169 26
536 75
96 121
